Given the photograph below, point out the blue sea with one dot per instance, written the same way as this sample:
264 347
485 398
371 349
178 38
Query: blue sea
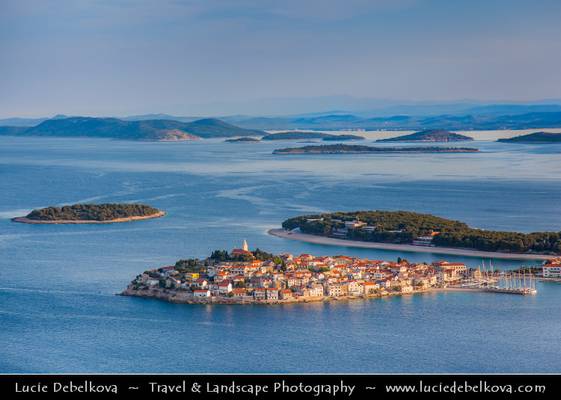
58 306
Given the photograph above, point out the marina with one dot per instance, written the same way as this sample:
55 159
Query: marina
506 282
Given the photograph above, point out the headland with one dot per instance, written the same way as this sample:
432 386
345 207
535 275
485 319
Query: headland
412 231
330 241
258 277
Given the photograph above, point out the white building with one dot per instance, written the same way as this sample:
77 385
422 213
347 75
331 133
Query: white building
354 224
315 290
335 290
370 287
552 268
355 288
224 288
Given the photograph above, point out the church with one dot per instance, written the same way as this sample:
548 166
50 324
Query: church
243 251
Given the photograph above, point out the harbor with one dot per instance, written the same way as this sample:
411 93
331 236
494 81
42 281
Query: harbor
488 280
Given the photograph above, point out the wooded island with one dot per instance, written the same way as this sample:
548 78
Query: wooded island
90 213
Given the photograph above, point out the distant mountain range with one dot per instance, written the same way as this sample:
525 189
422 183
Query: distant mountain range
155 129
26 122
417 117
406 122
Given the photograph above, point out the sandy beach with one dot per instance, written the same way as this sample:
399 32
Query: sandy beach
25 220
403 247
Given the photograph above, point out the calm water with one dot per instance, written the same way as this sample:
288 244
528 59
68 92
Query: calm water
58 311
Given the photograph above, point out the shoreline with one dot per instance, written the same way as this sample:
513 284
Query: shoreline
176 297
181 298
25 220
303 237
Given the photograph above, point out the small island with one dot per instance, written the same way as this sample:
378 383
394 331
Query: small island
90 214
338 138
242 276
409 231
536 137
298 135
245 139
360 149
295 135
432 135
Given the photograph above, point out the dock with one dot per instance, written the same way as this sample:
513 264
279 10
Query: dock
521 291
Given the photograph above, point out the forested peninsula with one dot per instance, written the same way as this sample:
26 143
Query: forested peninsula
404 227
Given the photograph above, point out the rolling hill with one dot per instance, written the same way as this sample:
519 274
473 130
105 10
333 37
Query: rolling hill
114 128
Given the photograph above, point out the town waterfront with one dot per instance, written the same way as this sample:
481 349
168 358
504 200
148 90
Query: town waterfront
58 308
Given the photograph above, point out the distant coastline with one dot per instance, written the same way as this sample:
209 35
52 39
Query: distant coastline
144 130
303 237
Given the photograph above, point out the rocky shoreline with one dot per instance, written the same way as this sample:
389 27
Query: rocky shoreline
178 297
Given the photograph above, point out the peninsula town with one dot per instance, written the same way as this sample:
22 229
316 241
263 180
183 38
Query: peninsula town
243 276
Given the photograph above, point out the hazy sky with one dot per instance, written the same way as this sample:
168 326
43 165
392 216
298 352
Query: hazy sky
122 57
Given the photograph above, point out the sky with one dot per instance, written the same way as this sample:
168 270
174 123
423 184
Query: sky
220 57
